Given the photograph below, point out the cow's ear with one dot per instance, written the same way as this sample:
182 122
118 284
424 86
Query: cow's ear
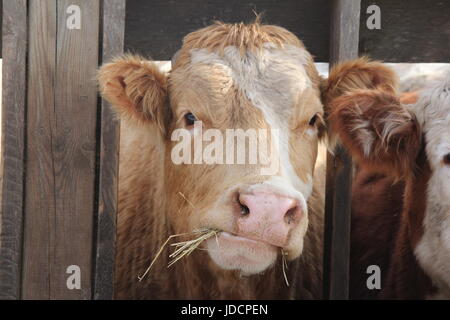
356 74
377 130
136 88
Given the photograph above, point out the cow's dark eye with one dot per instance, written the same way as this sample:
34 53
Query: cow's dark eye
190 119
313 120
447 159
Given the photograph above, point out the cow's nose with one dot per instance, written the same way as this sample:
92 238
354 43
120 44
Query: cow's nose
268 217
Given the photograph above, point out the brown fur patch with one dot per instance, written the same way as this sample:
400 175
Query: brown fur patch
136 88
409 97
405 278
377 203
358 74
246 37
387 224
376 118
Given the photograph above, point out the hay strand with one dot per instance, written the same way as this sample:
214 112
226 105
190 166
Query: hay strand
184 197
184 248
284 265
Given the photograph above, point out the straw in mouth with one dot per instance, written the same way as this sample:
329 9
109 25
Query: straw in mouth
183 248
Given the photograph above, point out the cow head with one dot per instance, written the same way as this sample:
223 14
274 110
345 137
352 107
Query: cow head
227 80
408 138
433 247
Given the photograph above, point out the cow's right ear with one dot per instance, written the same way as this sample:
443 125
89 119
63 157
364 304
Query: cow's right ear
377 130
136 88
354 75
357 74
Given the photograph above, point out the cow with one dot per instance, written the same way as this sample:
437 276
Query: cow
401 191
226 76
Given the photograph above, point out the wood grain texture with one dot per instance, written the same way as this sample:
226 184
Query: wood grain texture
411 31
343 46
40 208
75 147
156 28
14 35
61 148
113 37
1 22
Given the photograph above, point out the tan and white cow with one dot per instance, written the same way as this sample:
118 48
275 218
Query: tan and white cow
228 76
401 193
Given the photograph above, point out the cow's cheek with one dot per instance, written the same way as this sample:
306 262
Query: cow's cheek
195 191
295 246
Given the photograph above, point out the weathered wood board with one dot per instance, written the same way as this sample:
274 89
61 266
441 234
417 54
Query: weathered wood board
14 34
60 150
343 46
411 31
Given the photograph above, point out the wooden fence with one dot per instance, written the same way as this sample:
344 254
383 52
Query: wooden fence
60 141
60 148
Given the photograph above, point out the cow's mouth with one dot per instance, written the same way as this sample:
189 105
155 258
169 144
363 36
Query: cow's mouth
245 240
234 252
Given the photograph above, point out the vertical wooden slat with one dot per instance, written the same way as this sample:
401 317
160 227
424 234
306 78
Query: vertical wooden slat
14 36
41 126
75 147
113 39
344 46
61 149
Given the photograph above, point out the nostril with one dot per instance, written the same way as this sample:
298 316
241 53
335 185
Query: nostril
244 210
291 215
447 159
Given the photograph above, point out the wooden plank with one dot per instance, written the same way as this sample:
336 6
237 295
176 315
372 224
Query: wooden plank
156 28
411 31
113 36
61 149
1 22
344 46
40 209
14 34
75 147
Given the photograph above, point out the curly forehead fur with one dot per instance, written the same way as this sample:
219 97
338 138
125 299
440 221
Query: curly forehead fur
246 38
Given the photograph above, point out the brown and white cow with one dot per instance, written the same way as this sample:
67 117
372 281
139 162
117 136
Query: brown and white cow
228 76
401 192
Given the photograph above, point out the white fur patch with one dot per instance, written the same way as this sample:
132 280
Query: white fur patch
433 250
271 80
365 135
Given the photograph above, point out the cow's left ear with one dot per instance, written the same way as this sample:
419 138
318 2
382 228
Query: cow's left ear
137 89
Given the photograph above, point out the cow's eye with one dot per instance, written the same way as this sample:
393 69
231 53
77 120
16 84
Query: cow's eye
190 119
447 159
313 120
